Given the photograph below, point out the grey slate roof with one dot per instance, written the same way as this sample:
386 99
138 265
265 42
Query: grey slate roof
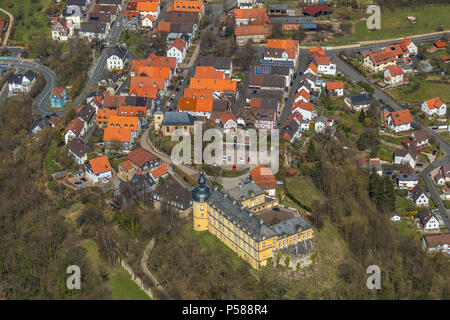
86 113
291 226
241 193
241 217
417 191
120 52
15 79
220 63
173 118
79 148
30 75
361 99
93 27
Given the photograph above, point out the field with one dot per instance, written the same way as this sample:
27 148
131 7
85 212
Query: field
394 24
119 283
33 20
426 90
303 189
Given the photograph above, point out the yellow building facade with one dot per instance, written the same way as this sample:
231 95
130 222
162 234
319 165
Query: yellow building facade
233 224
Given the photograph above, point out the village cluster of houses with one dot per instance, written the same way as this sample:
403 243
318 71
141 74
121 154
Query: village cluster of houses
89 19
253 22
303 110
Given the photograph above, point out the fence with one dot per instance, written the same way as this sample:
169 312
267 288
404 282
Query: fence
144 287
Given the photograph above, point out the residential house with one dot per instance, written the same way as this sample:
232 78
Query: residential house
264 178
290 131
306 109
60 31
173 195
143 160
324 65
407 181
136 190
335 89
146 8
159 172
406 156
393 75
59 97
267 82
75 129
400 120
122 130
434 106
224 64
257 33
418 139
439 178
78 150
228 121
21 83
359 102
419 196
98 170
177 49
44 122
428 222
437 243
91 30
117 59
87 114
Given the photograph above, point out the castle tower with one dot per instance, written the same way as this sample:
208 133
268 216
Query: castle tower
158 113
200 197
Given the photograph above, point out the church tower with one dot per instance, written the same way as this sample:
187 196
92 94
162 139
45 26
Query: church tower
200 197
158 113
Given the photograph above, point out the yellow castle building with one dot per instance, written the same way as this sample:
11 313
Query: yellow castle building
253 235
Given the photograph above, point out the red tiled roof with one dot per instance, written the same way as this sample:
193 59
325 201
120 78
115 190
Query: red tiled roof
315 9
160 171
440 44
401 117
335 85
100 165
434 103
141 156
395 70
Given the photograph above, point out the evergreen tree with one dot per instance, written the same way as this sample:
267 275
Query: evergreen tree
362 116
389 194
311 151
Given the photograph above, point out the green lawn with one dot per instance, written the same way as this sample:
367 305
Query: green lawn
34 22
407 227
426 90
402 204
50 163
385 153
134 42
394 140
119 283
445 135
395 24
303 189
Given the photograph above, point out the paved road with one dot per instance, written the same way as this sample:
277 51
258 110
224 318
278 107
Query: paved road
40 103
301 65
10 26
100 63
380 94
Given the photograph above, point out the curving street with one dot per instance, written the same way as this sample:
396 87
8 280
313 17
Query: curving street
41 101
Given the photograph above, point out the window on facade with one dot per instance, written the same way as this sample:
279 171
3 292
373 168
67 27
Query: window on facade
202 207
263 245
